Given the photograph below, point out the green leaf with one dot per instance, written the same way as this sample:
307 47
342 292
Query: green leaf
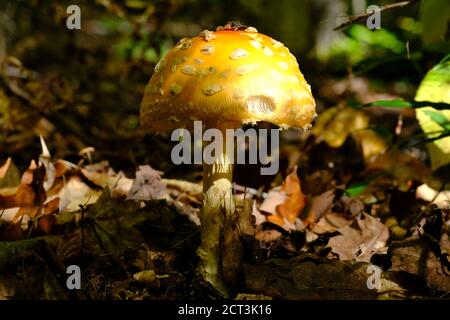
439 118
435 87
358 188
407 104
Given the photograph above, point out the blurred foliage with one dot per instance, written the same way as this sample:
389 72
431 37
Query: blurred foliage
80 88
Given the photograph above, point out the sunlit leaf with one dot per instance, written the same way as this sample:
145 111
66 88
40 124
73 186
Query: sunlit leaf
335 124
371 143
435 87
439 118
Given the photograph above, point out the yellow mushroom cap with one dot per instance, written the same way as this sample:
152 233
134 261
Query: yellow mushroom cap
227 75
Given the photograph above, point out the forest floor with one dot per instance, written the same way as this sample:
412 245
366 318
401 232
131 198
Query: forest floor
306 237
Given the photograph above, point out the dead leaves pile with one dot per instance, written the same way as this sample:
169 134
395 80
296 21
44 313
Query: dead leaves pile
341 227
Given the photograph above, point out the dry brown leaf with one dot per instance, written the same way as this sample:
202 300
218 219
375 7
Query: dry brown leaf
46 223
329 223
30 193
318 206
360 240
62 167
51 206
75 193
267 236
284 204
296 200
102 175
98 173
273 199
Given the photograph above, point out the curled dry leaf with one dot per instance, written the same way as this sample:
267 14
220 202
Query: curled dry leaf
30 194
102 175
294 202
75 193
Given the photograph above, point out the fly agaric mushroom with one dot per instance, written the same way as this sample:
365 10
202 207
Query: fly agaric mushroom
225 78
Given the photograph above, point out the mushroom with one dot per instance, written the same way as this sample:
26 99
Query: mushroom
225 78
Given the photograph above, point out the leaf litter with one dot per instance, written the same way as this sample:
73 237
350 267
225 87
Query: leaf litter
138 235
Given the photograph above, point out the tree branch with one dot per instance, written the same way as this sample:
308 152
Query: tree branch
353 19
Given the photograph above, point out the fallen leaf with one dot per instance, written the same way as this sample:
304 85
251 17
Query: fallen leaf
120 185
52 206
296 200
273 199
371 143
330 223
147 185
46 223
98 173
360 240
351 205
190 188
335 124
318 206
75 193
267 236
30 195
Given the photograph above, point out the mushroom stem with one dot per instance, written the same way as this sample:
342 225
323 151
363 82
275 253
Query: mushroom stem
218 207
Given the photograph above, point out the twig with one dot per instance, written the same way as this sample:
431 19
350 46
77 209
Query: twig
353 19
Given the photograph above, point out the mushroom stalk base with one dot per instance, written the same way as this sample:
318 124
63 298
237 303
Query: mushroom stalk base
218 207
